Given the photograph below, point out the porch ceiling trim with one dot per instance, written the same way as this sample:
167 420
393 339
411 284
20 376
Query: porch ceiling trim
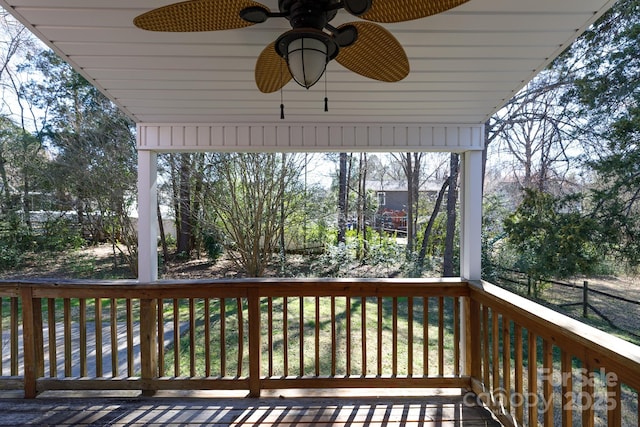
301 137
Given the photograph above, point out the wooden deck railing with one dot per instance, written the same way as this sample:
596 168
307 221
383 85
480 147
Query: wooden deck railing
529 364
539 367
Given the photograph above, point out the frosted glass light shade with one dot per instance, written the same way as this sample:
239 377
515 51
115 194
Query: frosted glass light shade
307 60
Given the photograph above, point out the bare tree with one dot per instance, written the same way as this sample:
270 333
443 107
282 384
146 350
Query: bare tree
452 197
250 194
535 131
411 165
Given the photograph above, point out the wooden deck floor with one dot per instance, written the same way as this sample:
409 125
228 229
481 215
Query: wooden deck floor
287 409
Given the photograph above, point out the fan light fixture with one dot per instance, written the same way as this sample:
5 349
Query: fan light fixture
366 48
307 52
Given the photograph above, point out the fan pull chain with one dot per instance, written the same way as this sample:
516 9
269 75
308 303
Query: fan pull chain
326 99
281 95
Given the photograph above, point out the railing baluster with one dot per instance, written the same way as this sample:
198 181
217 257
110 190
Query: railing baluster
130 359
614 403
285 335
334 338
495 351
363 329
207 337
519 373
456 336
486 354
223 337
38 336
1 335
587 396
441 336
83 337
567 389
301 335
67 337
270 334
506 360
394 334
53 345
240 318
380 328
14 336
176 338
532 378
348 333
98 335
410 337
425 336
547 382
161 345
317 337
192 337
113 313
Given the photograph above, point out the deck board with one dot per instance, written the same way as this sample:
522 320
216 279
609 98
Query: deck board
348 411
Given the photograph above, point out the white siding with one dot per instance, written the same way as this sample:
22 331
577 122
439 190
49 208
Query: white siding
309 137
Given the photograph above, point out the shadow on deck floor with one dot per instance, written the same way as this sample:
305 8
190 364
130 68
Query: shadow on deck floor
276 408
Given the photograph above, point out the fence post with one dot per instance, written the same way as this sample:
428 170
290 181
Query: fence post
585 299
148 344
528 285
32 341
474 349
255 351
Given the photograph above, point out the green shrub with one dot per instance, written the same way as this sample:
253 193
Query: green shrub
59 234
10 257
212 245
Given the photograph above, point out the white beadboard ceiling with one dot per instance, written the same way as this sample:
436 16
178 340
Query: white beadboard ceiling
465 63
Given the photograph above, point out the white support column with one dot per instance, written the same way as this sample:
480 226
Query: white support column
147 216
470 245
471 216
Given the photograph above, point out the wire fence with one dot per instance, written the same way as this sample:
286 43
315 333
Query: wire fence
583 298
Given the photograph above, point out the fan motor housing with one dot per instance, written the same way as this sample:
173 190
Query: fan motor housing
309 13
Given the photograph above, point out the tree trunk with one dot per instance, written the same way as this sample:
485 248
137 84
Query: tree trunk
163 238
432 219
283 249
196 196
342 199
410 197
362 207
184 233
452 196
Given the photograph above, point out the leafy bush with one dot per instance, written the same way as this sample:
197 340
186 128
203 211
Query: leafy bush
59 234
10 257
212 245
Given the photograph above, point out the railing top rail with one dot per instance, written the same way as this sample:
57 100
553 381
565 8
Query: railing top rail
238 287
586 342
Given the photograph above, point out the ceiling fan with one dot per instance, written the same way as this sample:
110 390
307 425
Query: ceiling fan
303 52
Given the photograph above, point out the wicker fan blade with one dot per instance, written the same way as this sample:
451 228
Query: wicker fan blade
407 10
376 54
196 15
272 72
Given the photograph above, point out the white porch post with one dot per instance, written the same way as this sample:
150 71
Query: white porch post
471 216
147 216
470 250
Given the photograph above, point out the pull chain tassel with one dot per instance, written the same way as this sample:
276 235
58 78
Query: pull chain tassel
326 100
281 111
